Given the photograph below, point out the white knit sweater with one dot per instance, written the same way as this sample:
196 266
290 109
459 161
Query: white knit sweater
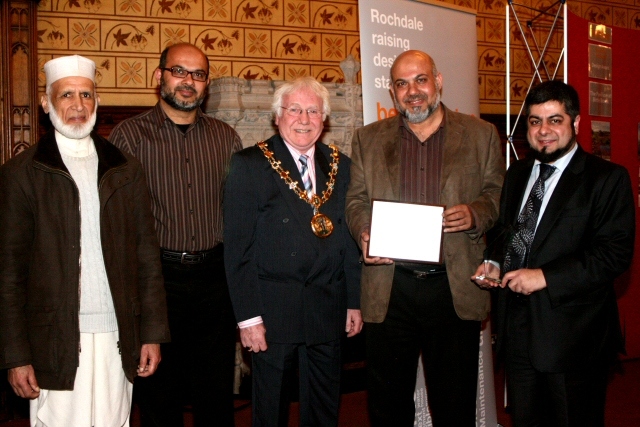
96 305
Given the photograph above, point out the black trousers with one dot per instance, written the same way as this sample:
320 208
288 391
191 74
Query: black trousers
197 365
560 399
319 368
421 318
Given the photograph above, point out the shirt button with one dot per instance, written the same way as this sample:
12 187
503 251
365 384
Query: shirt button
293 254
187 159
286 220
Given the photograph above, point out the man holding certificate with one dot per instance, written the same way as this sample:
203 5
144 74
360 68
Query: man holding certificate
430 155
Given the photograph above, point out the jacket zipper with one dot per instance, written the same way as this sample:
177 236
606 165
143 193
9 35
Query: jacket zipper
102 180
77 194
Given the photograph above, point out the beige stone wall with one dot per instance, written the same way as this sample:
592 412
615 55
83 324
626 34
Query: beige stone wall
272 39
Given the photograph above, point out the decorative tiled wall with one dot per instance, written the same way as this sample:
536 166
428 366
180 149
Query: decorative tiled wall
273 39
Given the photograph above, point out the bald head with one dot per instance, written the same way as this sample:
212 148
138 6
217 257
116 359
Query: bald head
183 49
414 56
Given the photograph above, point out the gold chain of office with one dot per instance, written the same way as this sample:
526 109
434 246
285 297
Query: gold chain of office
321 225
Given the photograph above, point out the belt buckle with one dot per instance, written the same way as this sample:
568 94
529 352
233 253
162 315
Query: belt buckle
420 274
195 258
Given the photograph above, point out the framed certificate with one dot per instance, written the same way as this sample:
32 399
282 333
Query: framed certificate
406 231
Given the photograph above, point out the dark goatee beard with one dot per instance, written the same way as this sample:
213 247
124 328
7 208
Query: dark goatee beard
545 157
171 98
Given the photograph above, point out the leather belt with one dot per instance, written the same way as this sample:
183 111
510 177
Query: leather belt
422 273
187 257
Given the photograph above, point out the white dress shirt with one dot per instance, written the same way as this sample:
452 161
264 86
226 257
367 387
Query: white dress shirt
550 183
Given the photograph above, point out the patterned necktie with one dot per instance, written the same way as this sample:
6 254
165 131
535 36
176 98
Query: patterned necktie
525 229
306 179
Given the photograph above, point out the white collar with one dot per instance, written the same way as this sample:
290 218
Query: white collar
75 147
563 161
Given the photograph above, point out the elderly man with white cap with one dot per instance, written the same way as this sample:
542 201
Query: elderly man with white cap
82 302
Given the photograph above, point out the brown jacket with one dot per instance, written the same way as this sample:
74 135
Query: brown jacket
40 253
473 171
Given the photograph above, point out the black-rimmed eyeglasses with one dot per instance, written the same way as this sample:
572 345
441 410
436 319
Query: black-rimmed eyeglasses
297 112
199 76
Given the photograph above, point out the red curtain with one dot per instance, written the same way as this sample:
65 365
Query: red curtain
625 120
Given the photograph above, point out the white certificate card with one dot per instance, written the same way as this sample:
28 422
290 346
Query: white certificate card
406 231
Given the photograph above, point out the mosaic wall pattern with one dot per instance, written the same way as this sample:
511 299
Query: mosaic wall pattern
274 39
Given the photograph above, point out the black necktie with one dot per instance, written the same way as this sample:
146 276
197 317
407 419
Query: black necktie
525 229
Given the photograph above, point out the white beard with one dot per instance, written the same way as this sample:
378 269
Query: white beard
72 131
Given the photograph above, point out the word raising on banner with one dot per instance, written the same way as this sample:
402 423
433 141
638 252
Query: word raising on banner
391 33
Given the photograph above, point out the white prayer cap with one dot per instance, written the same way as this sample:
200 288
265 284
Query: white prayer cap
69 66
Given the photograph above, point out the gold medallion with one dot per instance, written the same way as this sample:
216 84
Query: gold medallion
321 225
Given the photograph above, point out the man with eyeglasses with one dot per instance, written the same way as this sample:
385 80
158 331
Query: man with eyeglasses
186 154
292 266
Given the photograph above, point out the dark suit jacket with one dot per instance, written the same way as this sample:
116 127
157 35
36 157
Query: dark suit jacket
276 267
584 240
472 173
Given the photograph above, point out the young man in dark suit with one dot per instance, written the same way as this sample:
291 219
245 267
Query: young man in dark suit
568 221
292 267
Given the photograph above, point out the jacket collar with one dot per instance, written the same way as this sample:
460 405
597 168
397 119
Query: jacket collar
48 154
571 179
390 136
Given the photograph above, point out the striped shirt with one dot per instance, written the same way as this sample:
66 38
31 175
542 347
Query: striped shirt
185 173
421 165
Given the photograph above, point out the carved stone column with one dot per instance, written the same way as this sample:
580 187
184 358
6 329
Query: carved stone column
243 104
18 76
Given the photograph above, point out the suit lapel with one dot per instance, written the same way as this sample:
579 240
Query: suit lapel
301 210
453 142
518 188
391 147
569 181
322 168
